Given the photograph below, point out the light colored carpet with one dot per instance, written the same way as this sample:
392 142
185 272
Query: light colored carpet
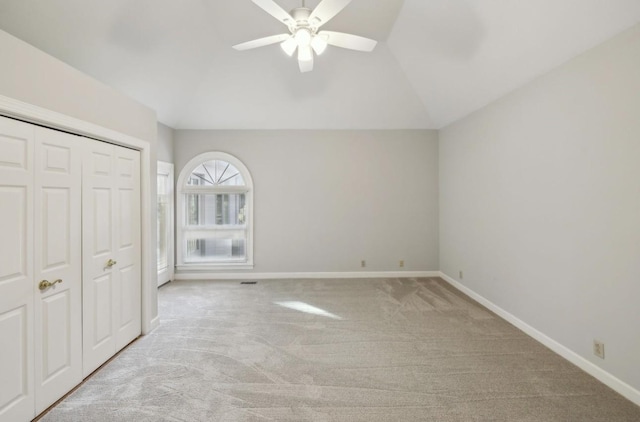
336 350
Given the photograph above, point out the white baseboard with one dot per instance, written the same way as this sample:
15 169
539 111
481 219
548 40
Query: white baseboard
600 374
155 323
268 276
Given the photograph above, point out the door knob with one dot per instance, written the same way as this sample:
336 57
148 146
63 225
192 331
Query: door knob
45 284
111 263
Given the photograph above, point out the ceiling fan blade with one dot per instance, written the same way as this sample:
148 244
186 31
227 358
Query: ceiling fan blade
350 41
261 42
326 10
272 8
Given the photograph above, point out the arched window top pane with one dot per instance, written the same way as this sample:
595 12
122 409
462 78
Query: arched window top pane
215 173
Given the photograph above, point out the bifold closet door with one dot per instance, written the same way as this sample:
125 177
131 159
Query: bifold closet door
17 395
111 261
40 268
57 265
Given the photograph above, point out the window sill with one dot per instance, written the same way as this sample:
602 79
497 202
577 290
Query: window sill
214 267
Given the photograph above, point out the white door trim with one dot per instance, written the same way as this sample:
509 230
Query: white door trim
42 116
166 169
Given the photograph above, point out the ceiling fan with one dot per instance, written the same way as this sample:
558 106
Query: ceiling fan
303 24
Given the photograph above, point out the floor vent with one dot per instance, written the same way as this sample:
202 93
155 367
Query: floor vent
248 282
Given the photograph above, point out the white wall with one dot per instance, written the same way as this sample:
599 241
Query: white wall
165 143
325 200
540 204
27 74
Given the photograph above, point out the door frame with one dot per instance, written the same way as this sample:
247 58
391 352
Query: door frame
166 169
10 107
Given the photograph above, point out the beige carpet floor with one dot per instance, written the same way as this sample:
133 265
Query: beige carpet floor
336 350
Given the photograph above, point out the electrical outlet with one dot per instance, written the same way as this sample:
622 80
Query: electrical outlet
401 263
461 275
598 349
363 263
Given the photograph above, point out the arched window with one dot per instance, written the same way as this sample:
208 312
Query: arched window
215 213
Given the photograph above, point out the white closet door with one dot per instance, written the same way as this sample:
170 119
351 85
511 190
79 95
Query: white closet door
111 260
98 206
17 396
58 259
128 313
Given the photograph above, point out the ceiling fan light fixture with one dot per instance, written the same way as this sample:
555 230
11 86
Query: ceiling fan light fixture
319 44
304 32
305 54
303 37
289 46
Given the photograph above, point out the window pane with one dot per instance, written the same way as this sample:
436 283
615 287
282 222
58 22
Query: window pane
215 173
215 209
207 249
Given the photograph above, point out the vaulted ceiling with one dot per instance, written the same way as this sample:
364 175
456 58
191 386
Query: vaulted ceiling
436 61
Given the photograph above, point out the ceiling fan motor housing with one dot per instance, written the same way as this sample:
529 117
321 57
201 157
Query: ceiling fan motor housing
301 14
301 17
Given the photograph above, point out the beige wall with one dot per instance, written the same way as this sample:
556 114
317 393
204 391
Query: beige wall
540 204
325 200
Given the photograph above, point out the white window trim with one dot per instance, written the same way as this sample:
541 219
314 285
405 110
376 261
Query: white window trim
166 169
182 189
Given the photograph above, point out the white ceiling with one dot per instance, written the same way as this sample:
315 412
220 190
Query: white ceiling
436 61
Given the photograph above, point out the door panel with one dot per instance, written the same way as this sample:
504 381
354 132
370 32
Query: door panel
127 296
126 238
58 308
56 245
128 285
14 226
17 396
103 307
56 325
112 274
16 386
102 222
101 160
16 140
97 234
127 164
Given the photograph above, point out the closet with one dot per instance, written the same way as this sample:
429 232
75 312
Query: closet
69 261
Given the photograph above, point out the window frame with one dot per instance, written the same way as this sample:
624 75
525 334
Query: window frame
166 169
182 190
